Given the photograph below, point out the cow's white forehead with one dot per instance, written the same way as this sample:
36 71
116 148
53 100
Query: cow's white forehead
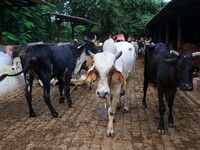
104 61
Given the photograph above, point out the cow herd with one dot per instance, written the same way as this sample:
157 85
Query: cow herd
112 69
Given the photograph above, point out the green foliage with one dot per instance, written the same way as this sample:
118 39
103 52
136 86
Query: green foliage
29 24
126 16
25 24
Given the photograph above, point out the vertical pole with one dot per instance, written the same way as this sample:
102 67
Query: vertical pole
72 34
179 36
159 34
167 34
59 29
155 35
1 25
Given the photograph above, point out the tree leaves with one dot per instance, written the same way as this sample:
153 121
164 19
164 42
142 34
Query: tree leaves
27 24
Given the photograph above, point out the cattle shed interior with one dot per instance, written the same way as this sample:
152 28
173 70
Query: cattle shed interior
177 23
74 21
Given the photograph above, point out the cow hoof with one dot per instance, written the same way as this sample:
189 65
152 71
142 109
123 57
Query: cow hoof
110 133
161 132
76 88
118 108
126 109
61 100
122 93
55 114
171 125
144 105
70 105
32 114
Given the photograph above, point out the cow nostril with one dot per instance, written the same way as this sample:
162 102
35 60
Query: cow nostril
102 94
188 87
106 93
13 69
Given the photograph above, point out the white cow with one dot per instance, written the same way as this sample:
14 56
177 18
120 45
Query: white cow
136 46
9 84
112 69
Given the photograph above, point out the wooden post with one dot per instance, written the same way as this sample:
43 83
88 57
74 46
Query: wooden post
72 34
155 35
179 36
1 25
159 34
167 34
58 29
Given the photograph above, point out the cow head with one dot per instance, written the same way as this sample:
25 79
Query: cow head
16 51
185 69
17 64
84 47
104 71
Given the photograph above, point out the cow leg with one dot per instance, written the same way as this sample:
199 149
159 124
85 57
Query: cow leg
146 83
111 114
28 92
46 95
170 98
112 110
61 86
161 111
170 117
127 97
67 89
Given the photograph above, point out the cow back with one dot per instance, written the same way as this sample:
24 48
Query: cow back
125 62
154 61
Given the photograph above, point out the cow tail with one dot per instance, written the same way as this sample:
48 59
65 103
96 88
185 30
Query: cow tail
3 76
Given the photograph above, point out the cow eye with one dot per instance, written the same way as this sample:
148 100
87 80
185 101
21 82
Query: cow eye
111 72
97 73
195 70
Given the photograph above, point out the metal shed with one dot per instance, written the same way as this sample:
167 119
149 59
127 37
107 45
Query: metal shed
74 21
177 22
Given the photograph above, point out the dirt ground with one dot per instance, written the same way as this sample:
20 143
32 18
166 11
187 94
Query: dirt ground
84 126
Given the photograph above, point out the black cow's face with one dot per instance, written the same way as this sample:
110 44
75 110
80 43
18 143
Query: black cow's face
88 45
185 71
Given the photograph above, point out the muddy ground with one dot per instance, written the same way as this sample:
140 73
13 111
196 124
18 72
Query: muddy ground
84 126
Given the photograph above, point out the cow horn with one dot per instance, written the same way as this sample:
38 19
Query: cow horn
95 37
174 52
118 54
195 54
148 40
91 54
11 49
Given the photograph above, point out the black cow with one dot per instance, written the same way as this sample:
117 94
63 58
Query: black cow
47 62
167 70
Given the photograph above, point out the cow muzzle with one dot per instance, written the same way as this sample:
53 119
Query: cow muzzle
102 94
187 87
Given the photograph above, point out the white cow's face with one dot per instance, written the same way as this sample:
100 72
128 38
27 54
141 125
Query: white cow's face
103 71
17 66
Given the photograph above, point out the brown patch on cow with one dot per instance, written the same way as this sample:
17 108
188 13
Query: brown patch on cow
89 63
118 76
91 76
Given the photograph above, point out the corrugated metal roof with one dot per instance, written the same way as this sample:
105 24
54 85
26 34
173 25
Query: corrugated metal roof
42 2
19 3
174 8
77 20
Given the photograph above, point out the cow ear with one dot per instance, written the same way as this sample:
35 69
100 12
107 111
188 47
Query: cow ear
172 61
91 76
118 54
118 75
81 45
